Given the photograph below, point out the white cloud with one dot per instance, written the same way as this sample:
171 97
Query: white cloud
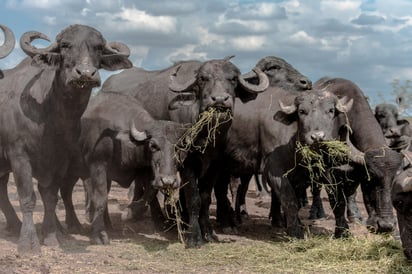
135 19
50 20
302 37
187 52
342 10
248 43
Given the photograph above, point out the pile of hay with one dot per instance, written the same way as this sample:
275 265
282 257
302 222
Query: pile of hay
203 133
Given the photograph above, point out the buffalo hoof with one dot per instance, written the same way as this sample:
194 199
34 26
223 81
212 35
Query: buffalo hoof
296 232
101 238
408 254
51 240
230 230
342 233
211 237
194 236
277 223
29 243
316 213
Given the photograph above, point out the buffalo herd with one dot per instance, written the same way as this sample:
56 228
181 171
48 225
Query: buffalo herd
191 127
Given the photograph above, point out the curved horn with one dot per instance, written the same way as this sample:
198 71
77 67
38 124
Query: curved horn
9 42
118 48
263 82
249 75
176 87
28 37
136 134
287 109
406 184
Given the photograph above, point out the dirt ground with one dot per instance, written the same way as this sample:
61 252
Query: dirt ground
77 255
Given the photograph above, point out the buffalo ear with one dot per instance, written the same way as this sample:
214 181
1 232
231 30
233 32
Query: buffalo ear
285 118
113 62
245 96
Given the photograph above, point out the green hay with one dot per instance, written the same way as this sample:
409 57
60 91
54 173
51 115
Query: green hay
209 121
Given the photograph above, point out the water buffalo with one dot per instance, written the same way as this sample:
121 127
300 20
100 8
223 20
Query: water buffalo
120 141
42 100
396 131
381 161
402 201
311 118
253 135
202 87
8 44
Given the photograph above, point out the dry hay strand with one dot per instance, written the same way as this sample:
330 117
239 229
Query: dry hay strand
319 160
208 121
172 202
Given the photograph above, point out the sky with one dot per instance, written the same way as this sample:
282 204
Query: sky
368 42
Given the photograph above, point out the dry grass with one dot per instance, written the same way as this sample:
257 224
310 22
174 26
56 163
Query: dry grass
208 122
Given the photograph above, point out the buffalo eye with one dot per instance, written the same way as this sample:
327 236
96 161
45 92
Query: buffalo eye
203 78
98 48
234 80
65 45
398 204
153 146
302 112
274 67
331 110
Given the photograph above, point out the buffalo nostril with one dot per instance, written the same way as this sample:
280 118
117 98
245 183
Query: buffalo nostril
78 72
220 99
317 136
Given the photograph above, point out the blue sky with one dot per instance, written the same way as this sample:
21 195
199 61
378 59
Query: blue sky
368 42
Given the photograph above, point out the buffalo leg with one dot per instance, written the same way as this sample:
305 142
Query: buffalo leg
66 191
352 210
48 193
316 210
224 211
28 241
13 222
338 204
192 200
98 181
240 209
290 206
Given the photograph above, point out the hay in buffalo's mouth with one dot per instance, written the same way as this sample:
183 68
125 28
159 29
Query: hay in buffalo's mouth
202 134
84 83
320 159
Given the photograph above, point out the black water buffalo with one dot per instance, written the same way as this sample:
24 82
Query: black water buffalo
310 120
8 44
253 135
402 201
121 141
202 87
381 161
397 132
42 100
